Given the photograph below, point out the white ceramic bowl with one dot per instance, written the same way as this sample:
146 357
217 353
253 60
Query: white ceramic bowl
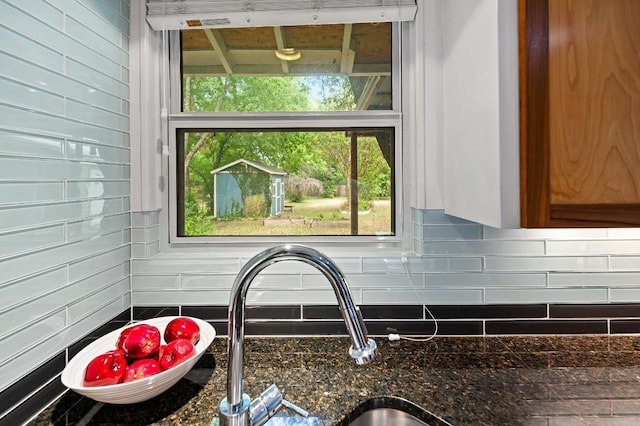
138 390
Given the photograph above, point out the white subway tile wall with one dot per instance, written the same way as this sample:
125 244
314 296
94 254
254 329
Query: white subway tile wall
456 262
64 175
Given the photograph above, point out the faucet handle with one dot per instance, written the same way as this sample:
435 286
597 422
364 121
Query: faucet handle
268 403
265 406
291 406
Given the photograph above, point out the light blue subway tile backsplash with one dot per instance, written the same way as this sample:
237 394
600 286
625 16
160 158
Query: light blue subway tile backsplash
476 247
158 282
96 225
544 234
410 296
139 250
30 96
449 232
125 9
15 243
57 39
268 282
20 46
96 188
35 352
547 263
87 304
85 15
624 263
287 267
31 145
31 334
296 296
88 266
28 264
145 219
81 150
106 44
178 297
358 281
64 176
138 220
444 264
39 122
57 82
26 216
108 12
13 293
152 233
437 217
81 72
41 10
139 234
594 279
547 295
619 247
39 168
624 295
623 233
383 264
14 320
487 279
211 281
30 192
98 116
162 265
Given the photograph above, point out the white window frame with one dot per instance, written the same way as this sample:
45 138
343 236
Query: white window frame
392 118
425 141
421 153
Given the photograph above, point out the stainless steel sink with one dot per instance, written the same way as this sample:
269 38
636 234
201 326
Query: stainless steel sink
386 416
391 411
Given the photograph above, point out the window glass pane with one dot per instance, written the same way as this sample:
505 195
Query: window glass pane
264 182
293 68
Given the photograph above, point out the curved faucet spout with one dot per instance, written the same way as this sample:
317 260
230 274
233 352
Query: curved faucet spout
234 408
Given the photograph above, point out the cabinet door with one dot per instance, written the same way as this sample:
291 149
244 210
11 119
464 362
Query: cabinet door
580 113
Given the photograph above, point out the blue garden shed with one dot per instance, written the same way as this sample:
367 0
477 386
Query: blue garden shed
235 182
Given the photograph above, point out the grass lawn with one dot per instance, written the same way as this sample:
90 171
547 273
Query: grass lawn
313 216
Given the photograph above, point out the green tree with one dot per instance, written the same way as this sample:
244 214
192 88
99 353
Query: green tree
373 173
205 151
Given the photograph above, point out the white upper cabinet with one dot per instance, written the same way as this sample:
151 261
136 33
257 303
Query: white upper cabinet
470 163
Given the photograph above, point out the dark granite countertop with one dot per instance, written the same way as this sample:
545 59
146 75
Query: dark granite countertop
466 381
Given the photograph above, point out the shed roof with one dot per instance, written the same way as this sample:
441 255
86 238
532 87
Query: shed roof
255 164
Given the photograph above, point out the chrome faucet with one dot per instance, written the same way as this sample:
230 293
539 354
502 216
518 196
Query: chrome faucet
237 409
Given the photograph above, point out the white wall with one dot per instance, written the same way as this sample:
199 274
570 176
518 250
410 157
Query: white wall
64 175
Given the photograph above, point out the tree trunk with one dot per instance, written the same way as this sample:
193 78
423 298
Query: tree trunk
198 145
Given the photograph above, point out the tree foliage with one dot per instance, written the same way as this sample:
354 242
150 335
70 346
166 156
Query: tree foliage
314 156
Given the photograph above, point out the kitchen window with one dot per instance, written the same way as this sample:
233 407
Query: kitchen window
286 131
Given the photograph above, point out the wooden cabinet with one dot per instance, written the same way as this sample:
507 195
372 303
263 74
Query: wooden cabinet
579 113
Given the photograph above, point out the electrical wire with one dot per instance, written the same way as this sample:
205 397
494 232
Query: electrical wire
396 336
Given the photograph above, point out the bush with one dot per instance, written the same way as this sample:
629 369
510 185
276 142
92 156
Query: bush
254 206
297 187
196 220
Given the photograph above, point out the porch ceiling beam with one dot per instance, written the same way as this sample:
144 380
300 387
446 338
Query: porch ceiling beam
348 53
281 43
370 89
220 48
